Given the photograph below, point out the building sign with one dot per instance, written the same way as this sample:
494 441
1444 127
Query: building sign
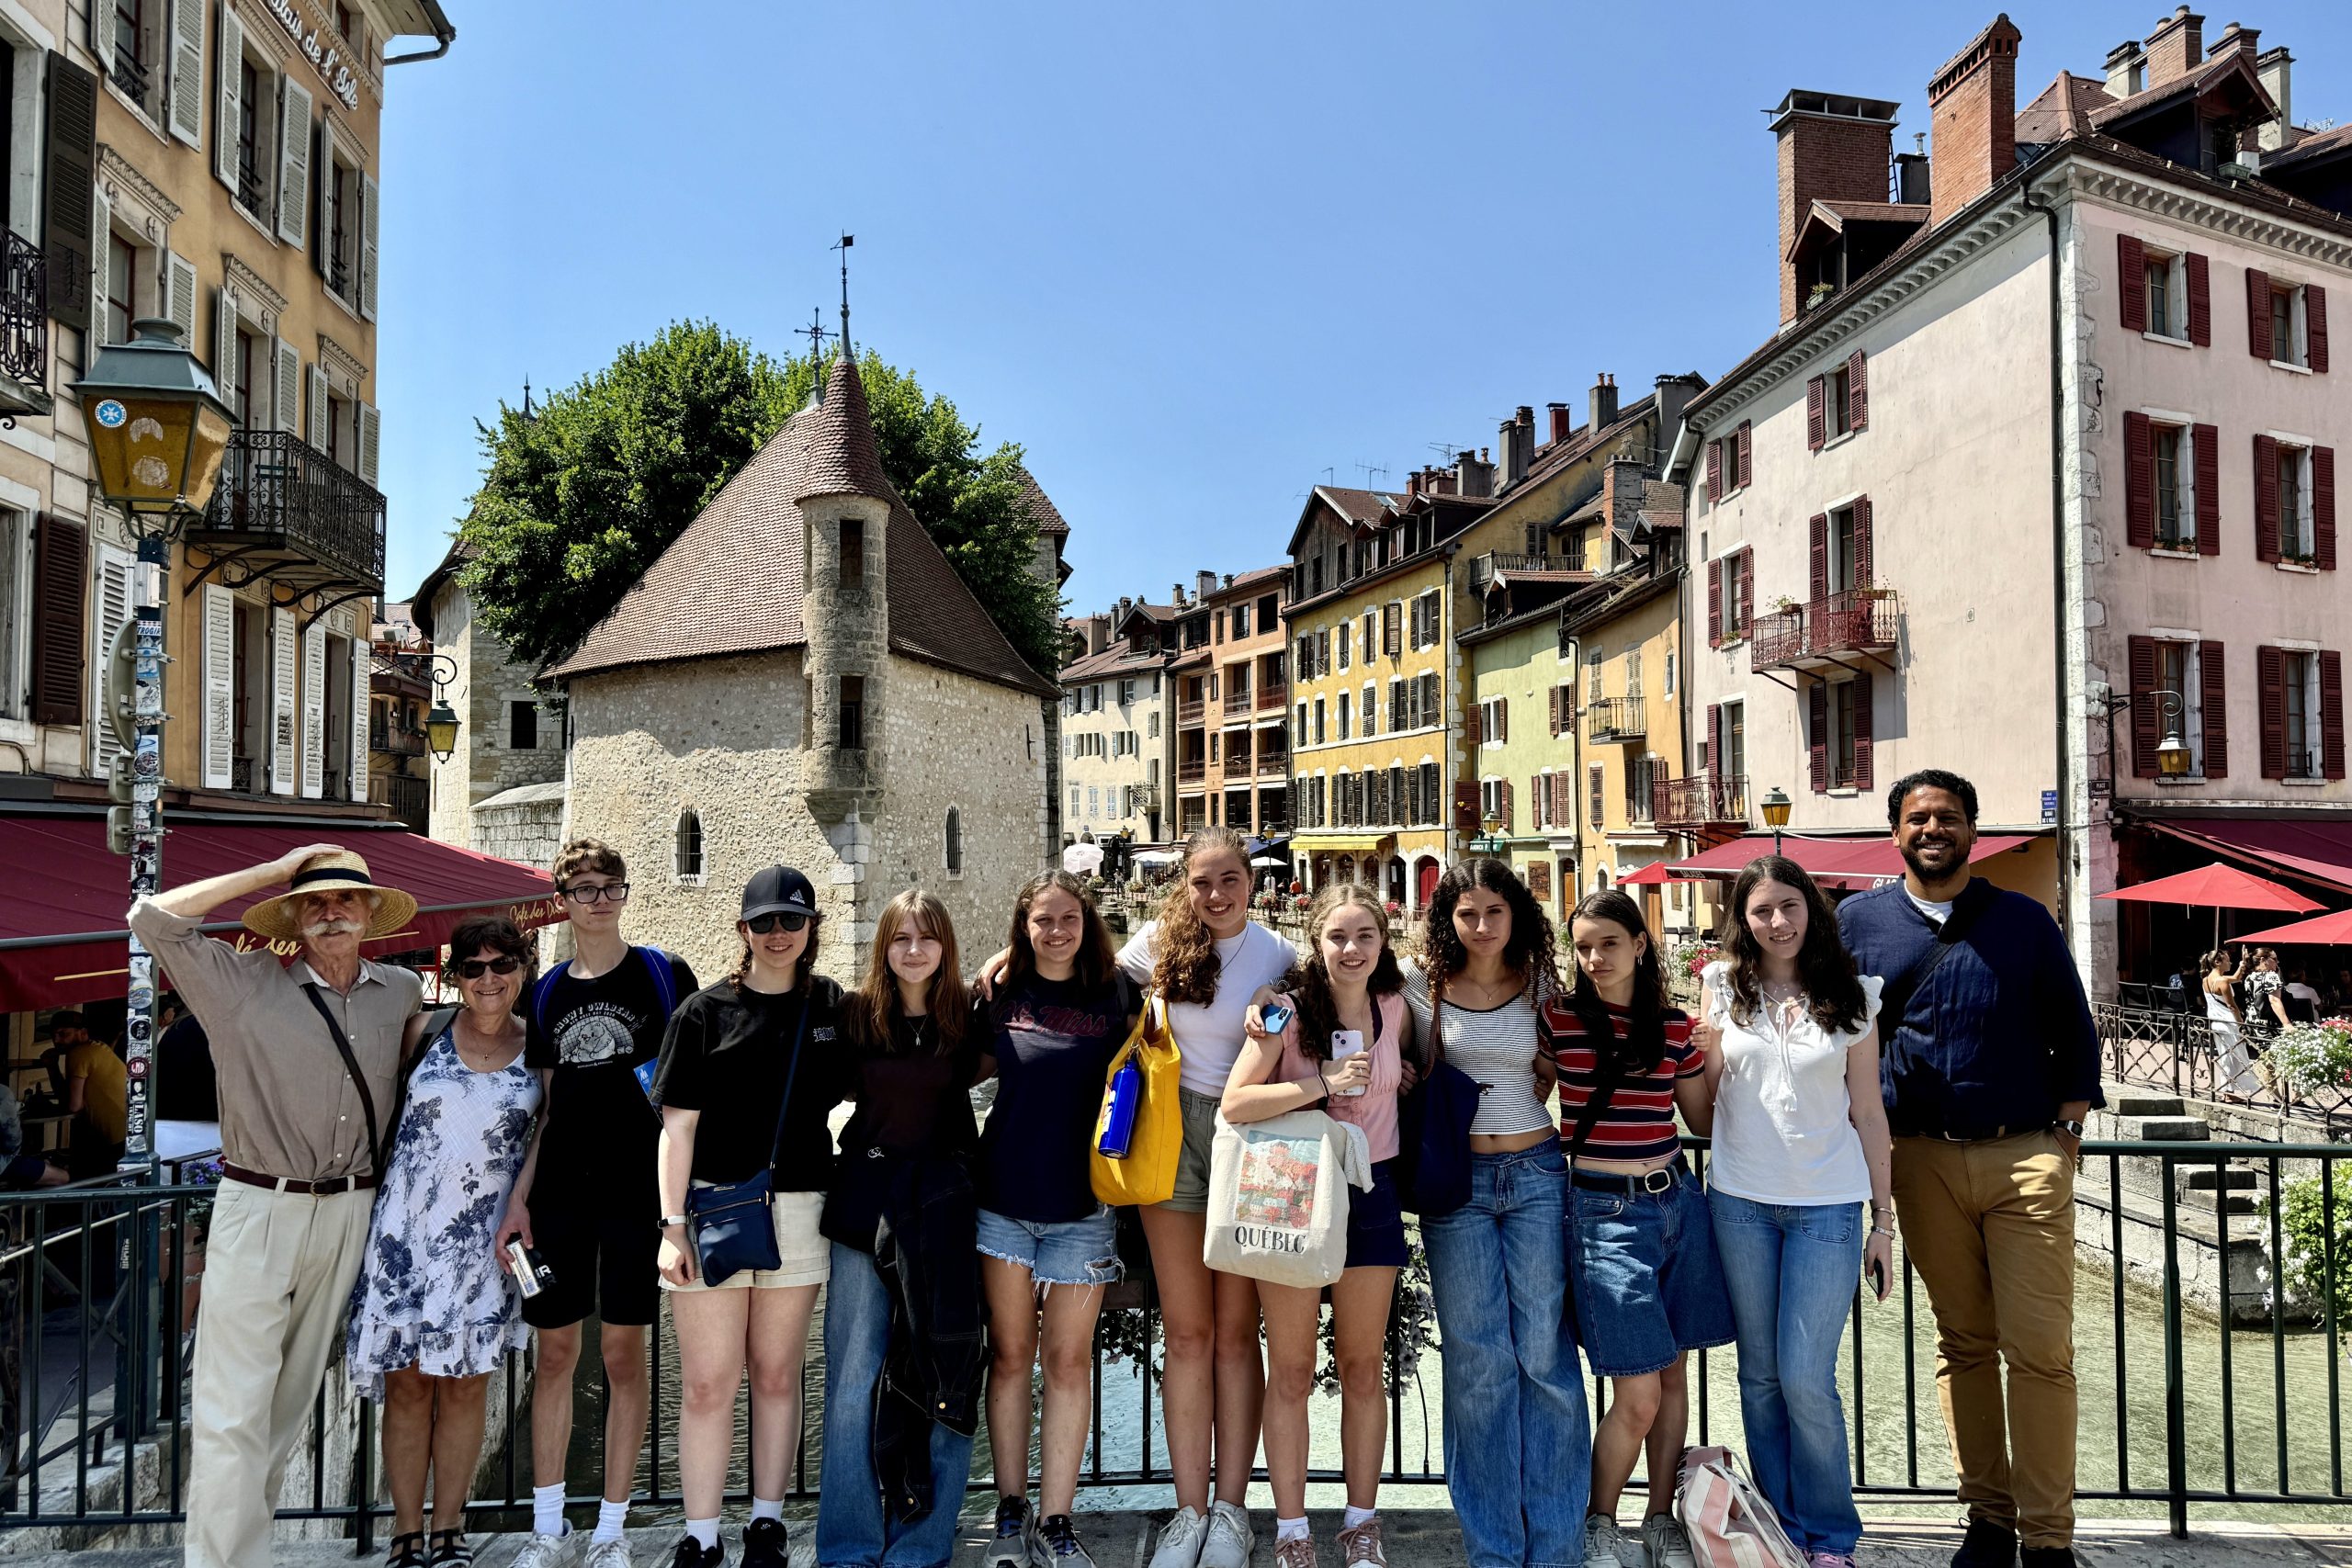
2049 808
327 58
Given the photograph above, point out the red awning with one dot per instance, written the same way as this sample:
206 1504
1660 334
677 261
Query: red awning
2318 850
61 936
1851 863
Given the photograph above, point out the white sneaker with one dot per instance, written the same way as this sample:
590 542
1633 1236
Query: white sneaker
1667 1542
613 1553
1605 1545
1180 1540
1229 1542
542 1551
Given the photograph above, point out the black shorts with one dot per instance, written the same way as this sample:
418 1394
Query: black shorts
603 1254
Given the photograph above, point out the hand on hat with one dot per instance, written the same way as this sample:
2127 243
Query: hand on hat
294 860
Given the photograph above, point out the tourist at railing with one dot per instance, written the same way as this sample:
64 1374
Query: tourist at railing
1516 1431
905 1323
589 1203
749 1069
300 1146
1647 1283
1990 1065
436 1309
1789 1033
1048 1249
1342 1050
2232 1060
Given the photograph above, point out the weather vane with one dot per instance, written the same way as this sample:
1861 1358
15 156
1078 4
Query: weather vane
846 241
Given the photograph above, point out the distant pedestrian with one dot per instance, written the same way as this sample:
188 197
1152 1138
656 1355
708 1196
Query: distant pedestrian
2234 1063
1989 1065
98 1092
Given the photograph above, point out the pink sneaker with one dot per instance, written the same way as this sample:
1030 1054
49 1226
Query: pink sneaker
1830 1560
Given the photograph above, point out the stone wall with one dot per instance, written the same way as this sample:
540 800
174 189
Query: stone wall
524 824
483 764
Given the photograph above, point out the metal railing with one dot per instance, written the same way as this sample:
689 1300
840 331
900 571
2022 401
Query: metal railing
2171 1048
1273 765
1273 697
1699 800
277 491
1776 637
1856 620
24 311
1615 718
394 741
410 799
131 74
1193 712
1236 704
1193 771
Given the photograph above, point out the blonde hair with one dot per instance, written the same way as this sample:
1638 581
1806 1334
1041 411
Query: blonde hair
1184 963
877 1005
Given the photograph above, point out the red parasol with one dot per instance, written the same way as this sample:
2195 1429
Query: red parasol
2217 887
2328 930
1654 874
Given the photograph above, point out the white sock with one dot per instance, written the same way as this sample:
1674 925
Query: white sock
610 1517
546 1509
1289 1529
704 1532
1356 1516
763 1510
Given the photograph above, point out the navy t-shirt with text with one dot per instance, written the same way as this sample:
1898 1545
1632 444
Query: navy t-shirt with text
1055 1040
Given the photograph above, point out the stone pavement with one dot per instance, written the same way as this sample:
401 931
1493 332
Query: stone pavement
1419 1538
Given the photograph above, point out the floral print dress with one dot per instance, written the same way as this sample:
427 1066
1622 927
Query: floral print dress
432 1292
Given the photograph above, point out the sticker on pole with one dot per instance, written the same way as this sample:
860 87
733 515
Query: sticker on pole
111 415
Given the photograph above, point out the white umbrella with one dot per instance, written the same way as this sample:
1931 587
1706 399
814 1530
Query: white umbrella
1154 857
1268 859
1082 859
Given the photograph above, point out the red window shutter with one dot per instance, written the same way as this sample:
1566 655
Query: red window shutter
2139 482
1747 441
1864 774
2147 722
2132 260
2213 708
2324 505
1817 421
1858 397
60 574
1714 471
2266 498
1564 789
1817 734
2257 313
1466 806
1862 558
1470 718
2200 302
1820 579
1535 802
1713 743
2208 442
2315 326
1510 818
2270 685
2331 713
1716 603
1747 595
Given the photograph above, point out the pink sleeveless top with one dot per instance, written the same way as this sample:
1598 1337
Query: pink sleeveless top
1375 1108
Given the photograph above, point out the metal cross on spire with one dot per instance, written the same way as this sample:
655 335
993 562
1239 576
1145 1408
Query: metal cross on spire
846 241
815 334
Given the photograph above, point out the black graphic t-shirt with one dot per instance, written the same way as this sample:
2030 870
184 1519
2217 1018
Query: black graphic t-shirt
595 1034
1054 1043
728 1056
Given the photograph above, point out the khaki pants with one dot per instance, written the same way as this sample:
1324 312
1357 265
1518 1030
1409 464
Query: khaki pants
1991 1227
279 1271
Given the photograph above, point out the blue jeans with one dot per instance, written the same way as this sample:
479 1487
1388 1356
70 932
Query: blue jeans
1517 1436
851 1530
1791 1273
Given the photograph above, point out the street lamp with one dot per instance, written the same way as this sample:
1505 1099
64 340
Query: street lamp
158 430
1490 842
441 719
1775 815
2171 753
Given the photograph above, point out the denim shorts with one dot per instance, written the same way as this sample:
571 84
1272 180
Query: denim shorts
1072 1252
1376 1222
1647 1280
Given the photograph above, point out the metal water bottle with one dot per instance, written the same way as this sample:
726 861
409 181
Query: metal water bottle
1118 1129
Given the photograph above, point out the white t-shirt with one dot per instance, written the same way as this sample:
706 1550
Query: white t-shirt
1211 1036
1782 1133
1937 913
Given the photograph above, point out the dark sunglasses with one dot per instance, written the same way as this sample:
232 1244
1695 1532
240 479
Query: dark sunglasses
759 925
475 968
590 893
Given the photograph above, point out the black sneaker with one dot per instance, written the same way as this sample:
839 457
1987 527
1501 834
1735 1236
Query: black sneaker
692 1554
1062 1550
766 1545
1986 1545
2049 1557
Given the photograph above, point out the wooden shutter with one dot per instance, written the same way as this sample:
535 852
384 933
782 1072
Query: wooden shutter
1865 774
1816 703
2266 499
2208 442
2331 713
1816 422
228 114
1563 799
111 605
1594 778
368 427
2257 314
2200 300
1470 716
69 182
2324 505
61 575
101 262
314 712
293 162
1556 713
284 738
1502 720
2132 260
187 87
1745 604
2147 720
1714 471
2139 482
317 401
224 344
1466 806
220 740
2315 327
2213 708
1865 563
368 247
1746 442
180 299
286 391
1858 397
1716 603
1511 815
2270 688
1820 557
1710 741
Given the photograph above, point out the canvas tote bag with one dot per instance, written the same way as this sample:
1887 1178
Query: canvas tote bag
1729 1523
1278 1200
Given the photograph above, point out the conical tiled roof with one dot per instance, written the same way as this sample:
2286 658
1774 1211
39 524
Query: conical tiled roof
843 458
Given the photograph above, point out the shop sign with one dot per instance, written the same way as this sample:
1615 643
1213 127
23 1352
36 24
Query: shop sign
326 58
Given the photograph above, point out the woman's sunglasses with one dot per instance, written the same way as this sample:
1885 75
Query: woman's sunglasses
759 925
475 968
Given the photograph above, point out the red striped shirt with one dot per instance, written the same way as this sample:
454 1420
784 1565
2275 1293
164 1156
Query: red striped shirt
1638 1122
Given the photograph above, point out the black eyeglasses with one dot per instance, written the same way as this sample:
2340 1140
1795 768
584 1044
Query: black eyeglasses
591 893
761 925
475 968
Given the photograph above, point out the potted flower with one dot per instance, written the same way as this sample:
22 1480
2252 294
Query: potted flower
2308 1057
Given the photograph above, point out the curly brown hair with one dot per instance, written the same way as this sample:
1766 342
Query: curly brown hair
1311 983
1529 952
1184 962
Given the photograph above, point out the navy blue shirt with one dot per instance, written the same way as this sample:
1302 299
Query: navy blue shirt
1999 1036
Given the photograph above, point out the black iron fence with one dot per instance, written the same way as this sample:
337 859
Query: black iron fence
2159 1045
278 492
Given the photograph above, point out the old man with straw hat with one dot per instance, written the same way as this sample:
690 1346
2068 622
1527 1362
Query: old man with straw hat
307 1054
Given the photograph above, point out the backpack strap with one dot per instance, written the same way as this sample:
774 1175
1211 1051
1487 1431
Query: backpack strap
665 984
541 992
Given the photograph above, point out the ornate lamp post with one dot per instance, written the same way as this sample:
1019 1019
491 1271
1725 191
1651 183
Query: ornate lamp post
1775 815
1491 841
157 430
441 720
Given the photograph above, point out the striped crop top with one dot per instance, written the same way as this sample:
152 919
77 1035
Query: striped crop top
1497 1048
1637 1125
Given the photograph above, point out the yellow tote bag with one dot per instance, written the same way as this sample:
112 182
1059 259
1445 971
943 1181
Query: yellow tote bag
1148 1172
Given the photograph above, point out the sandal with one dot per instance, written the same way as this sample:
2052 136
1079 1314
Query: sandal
450 1550
407 1551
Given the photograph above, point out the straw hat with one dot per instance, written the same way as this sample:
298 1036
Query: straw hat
275 918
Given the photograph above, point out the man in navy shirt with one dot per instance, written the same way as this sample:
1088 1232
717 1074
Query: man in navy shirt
1988 1064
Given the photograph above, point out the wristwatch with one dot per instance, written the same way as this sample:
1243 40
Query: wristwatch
669 1220
2072 1128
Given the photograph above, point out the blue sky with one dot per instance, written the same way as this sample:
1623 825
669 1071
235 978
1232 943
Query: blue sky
1195 258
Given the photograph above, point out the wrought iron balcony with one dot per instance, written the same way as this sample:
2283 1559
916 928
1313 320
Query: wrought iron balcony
1856 620
1776 639
287 511
1614 718
1702 801
131 74
24 326
394 741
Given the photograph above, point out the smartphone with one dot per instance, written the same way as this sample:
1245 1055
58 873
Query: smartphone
1275 1017
1346 1043
1875 1272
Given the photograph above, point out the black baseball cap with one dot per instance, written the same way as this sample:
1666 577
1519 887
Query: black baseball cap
778 890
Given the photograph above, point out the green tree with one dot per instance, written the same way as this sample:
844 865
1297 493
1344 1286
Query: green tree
577 501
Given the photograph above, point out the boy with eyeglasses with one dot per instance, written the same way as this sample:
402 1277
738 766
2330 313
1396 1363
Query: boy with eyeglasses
588 1200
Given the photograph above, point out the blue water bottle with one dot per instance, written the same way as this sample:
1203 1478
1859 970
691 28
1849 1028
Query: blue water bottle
1118 1129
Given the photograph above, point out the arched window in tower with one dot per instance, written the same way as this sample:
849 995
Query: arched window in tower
689 860
955 841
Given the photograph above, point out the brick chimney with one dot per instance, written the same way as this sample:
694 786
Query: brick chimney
1473 475
1972 109
1413 482
1600 403
1832 147
1624 486
2275 67
1176 595
1204 584
1560 427
2176 46
2238 39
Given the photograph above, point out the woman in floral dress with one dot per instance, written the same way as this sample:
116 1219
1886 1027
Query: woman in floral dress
435 1308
